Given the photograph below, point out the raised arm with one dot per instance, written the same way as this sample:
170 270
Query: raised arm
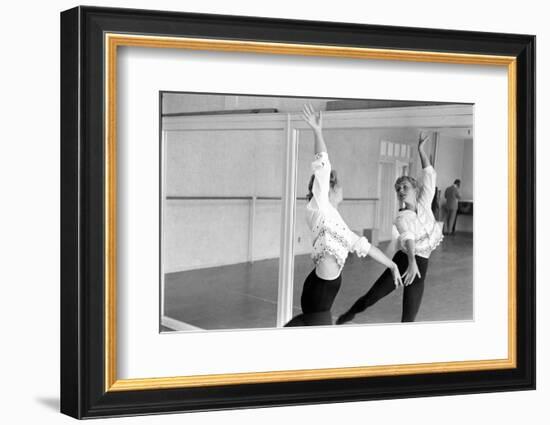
429 175
321 165
424 158
314 121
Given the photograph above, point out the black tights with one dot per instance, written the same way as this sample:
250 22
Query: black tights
317 298
412 294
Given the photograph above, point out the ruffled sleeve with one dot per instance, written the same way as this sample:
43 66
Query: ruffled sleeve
321 184
361 247
405 226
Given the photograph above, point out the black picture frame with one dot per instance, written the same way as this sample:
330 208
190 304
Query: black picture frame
83 393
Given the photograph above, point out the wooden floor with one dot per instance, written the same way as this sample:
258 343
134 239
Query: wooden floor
244 295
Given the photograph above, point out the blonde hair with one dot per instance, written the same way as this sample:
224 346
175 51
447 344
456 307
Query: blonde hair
409 179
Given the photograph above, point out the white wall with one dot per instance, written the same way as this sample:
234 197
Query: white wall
449 161
467 183
228 163
30 269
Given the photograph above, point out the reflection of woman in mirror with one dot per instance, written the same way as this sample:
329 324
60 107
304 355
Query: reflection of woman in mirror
332 238
418 234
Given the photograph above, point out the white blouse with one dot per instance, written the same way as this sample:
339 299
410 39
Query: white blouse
421 225
330 234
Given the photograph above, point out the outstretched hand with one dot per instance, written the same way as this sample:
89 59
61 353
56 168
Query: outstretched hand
422 139
411 273
396 275
311 117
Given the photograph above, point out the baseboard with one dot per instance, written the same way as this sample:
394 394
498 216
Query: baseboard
178 325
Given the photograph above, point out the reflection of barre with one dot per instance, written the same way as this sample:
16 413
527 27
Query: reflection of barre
250 205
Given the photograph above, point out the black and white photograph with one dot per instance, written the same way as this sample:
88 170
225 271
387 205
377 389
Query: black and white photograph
280 212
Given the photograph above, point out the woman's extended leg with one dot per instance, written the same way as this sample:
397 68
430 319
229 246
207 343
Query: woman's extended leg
383 286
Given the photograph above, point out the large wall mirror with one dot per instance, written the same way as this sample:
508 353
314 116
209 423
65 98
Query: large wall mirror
236 246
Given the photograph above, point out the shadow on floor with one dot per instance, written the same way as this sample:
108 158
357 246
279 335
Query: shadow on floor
49 402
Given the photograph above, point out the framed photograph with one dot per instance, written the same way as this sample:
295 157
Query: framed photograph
261 212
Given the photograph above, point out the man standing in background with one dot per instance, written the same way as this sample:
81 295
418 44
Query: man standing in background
452 195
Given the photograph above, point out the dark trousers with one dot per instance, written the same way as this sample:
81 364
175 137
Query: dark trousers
317 298
450 220
412 294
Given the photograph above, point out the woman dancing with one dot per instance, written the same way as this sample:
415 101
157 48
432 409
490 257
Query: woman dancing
419 235
332 239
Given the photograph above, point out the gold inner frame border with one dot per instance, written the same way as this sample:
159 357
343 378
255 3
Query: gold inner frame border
111 43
